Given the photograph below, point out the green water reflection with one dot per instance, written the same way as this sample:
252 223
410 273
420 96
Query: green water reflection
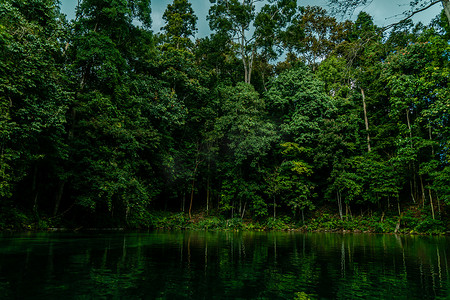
207 265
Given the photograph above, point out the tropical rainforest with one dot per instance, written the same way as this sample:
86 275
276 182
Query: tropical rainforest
284 113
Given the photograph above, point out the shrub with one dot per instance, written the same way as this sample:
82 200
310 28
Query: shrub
170 221
211 223
430 226
12 218
277 224
234 223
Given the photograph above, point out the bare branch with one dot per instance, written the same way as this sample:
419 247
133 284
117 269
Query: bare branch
411 15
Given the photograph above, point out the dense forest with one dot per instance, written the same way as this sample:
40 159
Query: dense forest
283 111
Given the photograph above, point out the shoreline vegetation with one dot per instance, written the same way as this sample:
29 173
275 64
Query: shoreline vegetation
411 222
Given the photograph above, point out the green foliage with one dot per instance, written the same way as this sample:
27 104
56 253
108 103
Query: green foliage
245 136
302 296
212 223
386 226
13 219
280 223
325 222
248 134
233 20
314 34
410 219
169 221
430 226
234 224
180 19
103 122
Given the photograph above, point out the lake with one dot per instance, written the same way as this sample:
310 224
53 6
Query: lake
222 265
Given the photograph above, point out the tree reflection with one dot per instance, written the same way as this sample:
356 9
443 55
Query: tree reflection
195 264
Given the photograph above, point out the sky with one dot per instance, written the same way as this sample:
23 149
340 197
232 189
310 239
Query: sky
384 12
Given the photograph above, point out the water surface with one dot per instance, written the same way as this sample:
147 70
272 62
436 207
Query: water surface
223 265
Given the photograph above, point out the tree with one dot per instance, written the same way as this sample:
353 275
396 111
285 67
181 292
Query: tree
418 98
297 100
188 148
300 107
216 55
244 136
292 182
180 22
235 20
117 109
314 34
33 101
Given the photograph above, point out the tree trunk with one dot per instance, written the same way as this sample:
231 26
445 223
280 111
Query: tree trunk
438 203
366 121
243 211
244 57
207 195
240 206
446 5
127 213
250 66
409 126
58 196
412 192
245 71
197 162
274 208
397 227
429 134
184 202
413 185
192 198
34 188
232 208
339 201
421 186
431 204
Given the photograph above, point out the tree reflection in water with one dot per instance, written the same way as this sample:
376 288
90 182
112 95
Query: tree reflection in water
197 264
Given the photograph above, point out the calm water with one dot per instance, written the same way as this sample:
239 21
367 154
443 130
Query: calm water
207 265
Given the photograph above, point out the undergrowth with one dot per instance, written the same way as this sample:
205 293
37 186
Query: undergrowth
412 221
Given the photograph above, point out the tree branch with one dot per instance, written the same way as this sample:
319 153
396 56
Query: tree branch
411 15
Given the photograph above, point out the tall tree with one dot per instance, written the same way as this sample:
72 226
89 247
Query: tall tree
418 96
314 34
180 22
251 31
244 136
116 109
298 104
33 101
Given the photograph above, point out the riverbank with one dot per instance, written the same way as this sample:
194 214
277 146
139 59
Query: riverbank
412 221
325 222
